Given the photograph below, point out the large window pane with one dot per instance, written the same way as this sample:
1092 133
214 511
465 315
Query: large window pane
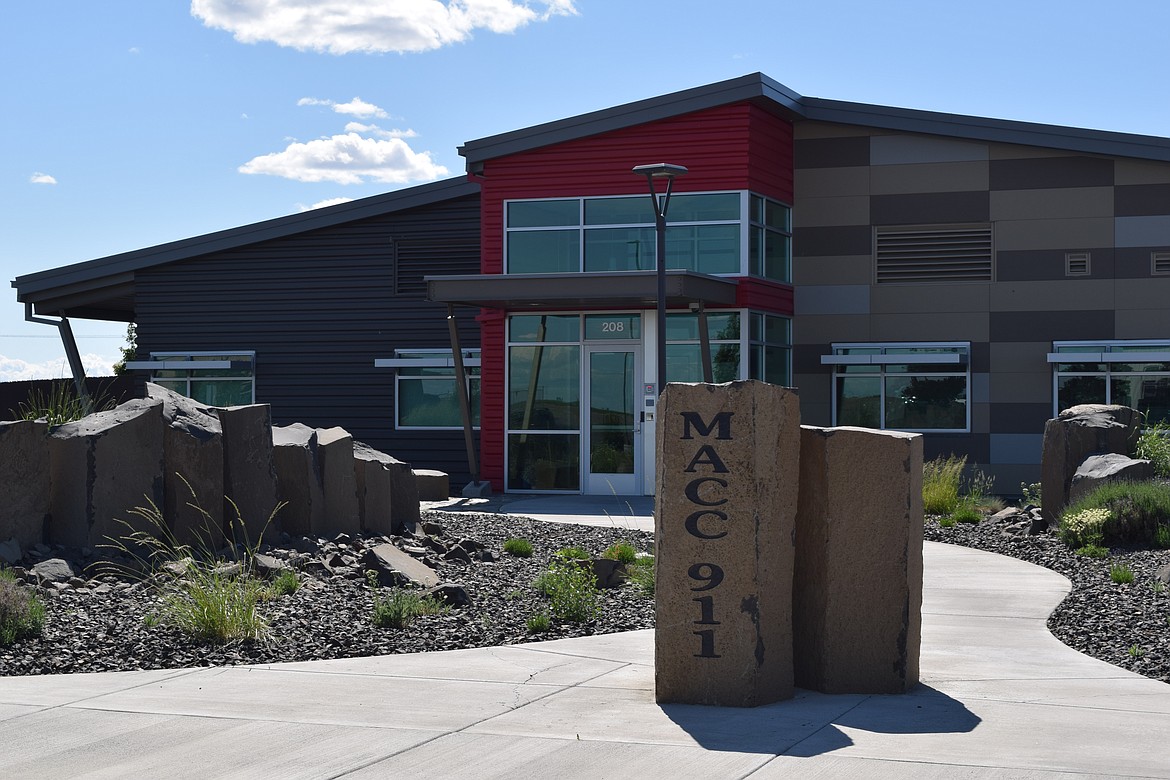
544 213
859 401
684 363
921 402
619 249
544 388
544 252
620 211
1076 390
708 249
544 461
434 403
703 208
544 327
1149 394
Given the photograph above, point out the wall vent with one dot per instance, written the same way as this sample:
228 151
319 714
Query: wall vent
1077 263
1160 263
933 254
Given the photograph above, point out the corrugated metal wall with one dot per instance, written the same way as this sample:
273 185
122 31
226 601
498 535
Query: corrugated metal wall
318 308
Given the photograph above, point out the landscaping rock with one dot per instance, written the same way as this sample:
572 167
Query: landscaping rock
249 478
298 480
25 489
54 570
387 491
1100 470
1075 434
338 481
451 594
388 560
609 573
432 485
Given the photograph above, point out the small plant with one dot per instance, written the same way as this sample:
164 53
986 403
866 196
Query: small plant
1031 493
400 607
571 590
1154 445
1159 586
521 548
623 552
1121 574
61 404
1137 510
965 513
946 522
21 613
573 554
286 583
1092 551
641 573
1084 528
940 484
539 622
1136 651
1162 536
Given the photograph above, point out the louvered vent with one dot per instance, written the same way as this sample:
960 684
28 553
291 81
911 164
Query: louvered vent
935 254
1076 264
1160 262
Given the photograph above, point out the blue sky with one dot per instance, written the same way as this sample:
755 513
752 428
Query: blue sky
129 123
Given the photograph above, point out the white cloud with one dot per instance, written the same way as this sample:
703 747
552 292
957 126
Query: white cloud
374 130
348 159
42 178
359 108
323 203
17 370
346 26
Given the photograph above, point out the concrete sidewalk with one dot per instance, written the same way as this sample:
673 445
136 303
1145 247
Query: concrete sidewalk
1000 698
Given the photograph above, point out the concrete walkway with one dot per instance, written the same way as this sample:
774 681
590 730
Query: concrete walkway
1000 698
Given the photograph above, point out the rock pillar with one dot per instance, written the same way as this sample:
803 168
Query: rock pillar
724 523
857 608
24 488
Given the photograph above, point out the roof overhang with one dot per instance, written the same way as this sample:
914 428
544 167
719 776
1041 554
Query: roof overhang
590 290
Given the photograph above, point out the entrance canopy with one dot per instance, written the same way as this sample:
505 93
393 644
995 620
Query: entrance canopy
590 290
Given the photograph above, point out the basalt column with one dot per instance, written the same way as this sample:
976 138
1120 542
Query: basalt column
724 525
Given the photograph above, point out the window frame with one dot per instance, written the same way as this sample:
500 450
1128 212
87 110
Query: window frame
1101 352
881 359
187 360
437 357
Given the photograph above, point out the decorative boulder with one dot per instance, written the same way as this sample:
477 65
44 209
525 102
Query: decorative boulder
386 491
24 489
1098 470
432 485
1075 434
295 458
249 478
338 481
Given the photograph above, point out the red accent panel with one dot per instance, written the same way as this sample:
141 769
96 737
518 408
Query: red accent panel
763 295
492 401
770 156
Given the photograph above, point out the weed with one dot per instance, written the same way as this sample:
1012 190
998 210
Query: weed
217 607
1159 586
539 622
623 552
400 607
573 553
1031 493
61 404
1162 535
641 573
965 513
521 548
21 613
1092 551
571 590
1084 528
940 484
286 583
1121 574
1136 651
1154 445
946 522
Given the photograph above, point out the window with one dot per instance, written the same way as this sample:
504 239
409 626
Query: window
901 386
212 378
770 356
425 389
1130 373
684 360
960 253
704 234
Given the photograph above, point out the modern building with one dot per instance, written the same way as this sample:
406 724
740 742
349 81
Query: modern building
957 276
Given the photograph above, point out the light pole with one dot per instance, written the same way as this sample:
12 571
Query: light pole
670 173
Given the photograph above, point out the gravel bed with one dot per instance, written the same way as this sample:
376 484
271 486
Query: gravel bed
1125 625
330 616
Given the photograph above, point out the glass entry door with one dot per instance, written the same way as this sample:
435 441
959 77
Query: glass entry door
613 440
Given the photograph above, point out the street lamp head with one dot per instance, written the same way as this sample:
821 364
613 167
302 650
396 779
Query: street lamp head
660 170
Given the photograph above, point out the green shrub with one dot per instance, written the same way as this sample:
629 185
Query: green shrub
572 591
1154 446
399 607
641 573
61 404
21 613
1136 511
622 552
1162 536
947 522
286 583
521 548
1092 551
1121 574
573 553
965 513
1084 528
216 607
1031 493
539 622
1136 651
940 484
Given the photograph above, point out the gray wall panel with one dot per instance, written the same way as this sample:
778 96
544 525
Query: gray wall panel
1034 174
1035 265
832 299
911 149
831 152
1143 231
930 208
1020 417
1016 447
1051 325
1141 200
817 241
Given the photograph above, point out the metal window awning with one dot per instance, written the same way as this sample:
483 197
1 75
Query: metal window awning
948 358
1109 357
590 290
406 362
185 365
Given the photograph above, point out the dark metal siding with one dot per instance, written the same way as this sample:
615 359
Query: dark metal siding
318 307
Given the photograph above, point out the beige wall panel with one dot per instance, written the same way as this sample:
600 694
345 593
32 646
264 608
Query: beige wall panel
929 177
1053 295
1052 203
957 326
1020 152
803 130
1019 356
1021 387
1151 293
827 212
1127 171
1054 233
911 149
1143 323
831 182
823 329
839 269
922 298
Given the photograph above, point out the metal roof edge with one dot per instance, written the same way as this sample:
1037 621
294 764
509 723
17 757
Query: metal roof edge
988 129
232 238
748 87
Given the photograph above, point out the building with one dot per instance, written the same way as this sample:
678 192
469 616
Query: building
958 276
